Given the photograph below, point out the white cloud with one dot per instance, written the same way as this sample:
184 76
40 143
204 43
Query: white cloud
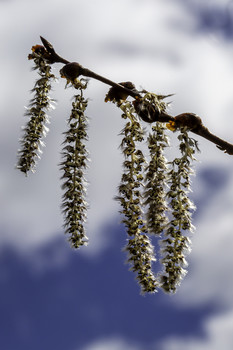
112 343
219 335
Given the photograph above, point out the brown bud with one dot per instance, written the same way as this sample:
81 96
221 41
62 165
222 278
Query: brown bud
149 112
146 111
117 94
42 52
190 120
71 71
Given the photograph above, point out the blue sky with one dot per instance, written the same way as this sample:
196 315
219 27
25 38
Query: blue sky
52 297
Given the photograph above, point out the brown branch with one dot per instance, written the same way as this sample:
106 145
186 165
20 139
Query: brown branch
55 58
72 70
220 143
194 124
148 112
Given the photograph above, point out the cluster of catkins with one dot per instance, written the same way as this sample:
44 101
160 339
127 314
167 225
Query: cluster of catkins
153 193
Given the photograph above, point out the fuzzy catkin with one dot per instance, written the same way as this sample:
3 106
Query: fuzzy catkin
74 154
156 181
176 244
36 129
139 248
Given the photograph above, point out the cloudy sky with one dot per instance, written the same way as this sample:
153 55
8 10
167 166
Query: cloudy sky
54 298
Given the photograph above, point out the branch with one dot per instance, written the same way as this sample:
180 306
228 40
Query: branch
55 58
72 70
194 123
146 111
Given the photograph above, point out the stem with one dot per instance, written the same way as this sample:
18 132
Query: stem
88 73
85 71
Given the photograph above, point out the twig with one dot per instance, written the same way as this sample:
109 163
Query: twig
55 58
146 111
